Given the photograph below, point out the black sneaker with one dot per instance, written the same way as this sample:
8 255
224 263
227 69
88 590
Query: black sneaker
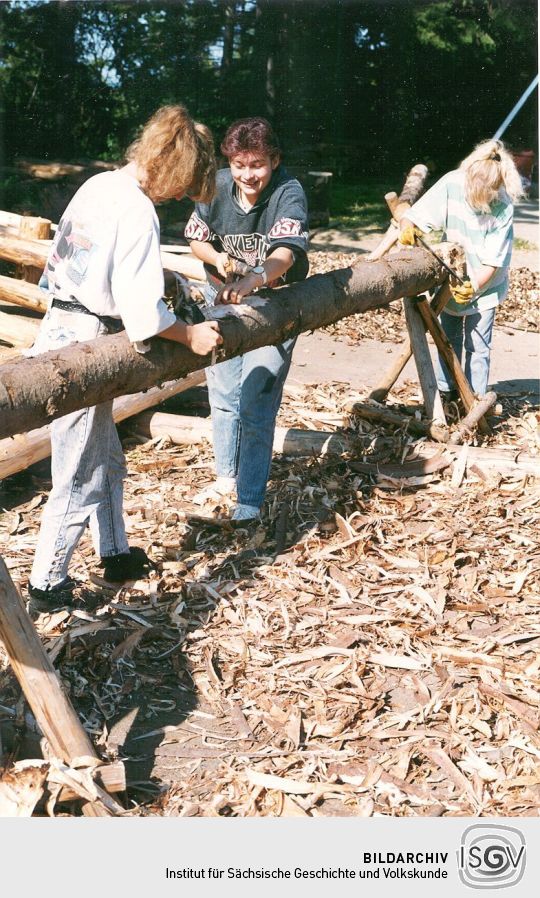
134 565
52 598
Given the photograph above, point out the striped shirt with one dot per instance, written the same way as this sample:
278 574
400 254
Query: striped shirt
485 237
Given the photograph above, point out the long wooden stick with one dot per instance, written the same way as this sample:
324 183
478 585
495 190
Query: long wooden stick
39 682
411 191
51 708
475 416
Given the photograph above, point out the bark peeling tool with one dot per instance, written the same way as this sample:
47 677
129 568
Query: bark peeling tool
439 260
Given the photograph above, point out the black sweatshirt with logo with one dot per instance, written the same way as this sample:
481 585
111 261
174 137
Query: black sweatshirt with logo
278 218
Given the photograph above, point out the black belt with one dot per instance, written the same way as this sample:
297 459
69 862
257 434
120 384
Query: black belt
113 325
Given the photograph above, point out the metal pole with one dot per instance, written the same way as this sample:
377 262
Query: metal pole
502 128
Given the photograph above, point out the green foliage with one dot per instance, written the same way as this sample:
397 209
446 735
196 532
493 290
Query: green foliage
359 205
357 86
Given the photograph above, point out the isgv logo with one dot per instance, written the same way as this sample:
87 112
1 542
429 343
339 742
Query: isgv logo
491 856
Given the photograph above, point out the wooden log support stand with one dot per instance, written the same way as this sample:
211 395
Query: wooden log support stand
452 362
52 709
422 316
386 383
33 229
424 366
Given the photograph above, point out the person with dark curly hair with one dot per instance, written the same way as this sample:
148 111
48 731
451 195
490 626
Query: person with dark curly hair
253 234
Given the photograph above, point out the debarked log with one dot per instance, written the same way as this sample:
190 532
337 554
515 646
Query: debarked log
428 458
35 391
185 430
17 330
34 253
21 293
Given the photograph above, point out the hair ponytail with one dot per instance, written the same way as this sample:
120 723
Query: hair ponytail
488 168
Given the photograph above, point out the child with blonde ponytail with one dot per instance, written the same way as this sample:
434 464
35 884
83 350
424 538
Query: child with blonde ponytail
473 205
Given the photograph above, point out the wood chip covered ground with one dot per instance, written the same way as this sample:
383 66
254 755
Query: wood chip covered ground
370 649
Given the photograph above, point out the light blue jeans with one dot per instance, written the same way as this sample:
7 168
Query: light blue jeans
245 395
88 469
470 336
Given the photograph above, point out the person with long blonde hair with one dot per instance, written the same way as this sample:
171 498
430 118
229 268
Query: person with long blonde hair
474 207
103 275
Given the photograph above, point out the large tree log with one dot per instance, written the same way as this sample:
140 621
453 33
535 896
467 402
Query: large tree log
24 449
185 430
18 330
35 391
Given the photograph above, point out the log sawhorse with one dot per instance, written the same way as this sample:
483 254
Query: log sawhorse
422 316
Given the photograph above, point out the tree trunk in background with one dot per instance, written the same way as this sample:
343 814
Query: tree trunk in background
38 390
271 50
228 38
66 17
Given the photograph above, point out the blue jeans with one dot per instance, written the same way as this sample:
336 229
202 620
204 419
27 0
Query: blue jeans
470 335
88 469
245 395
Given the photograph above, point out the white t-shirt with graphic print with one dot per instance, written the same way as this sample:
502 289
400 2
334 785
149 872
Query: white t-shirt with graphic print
106 255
